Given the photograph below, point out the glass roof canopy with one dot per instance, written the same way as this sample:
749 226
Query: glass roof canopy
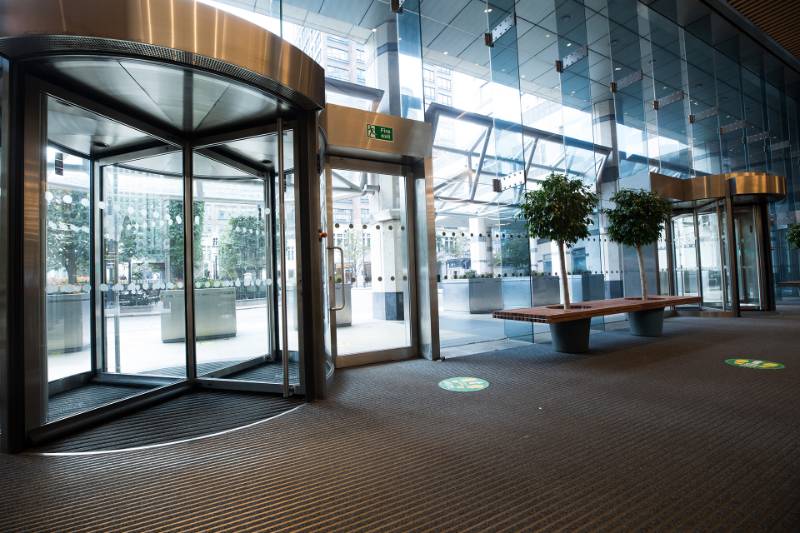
479 162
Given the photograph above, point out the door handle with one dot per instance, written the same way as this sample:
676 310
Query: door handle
344 294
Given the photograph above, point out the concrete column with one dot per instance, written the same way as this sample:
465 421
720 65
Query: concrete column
388 67
480 246
388 249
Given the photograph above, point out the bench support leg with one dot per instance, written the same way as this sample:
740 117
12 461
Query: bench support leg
572 336
648 323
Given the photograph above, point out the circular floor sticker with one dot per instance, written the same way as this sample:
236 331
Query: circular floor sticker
755 363
463 384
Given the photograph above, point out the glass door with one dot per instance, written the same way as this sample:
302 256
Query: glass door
710 232
685 255
370 261
748 267
245 270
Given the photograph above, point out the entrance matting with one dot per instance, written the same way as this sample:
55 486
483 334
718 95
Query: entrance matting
193 414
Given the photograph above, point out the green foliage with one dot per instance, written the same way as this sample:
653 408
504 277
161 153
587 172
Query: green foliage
243 247
513 253
175 232
793 235
67 233
638 218
560 210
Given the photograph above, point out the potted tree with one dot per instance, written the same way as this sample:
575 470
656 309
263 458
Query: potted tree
793 236
560 210
638 220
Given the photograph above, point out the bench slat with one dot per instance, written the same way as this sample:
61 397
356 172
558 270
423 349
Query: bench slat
554 313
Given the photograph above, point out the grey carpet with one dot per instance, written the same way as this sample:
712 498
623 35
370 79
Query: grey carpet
641 434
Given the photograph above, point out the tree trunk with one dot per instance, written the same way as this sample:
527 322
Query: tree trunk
642 273
564 280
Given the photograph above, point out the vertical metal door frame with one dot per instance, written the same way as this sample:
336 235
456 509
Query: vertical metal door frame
331 274
698 257
33 306
723 260
284 299
732 245
188 261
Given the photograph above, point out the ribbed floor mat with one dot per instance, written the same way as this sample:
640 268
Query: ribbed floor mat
87 397
191 415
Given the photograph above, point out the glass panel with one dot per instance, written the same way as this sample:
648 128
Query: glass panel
68 259
685 262
138 263
232 269
289 218
747 258
370 226
712 260
143 269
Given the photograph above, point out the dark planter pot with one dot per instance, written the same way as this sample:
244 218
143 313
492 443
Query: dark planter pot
647 323
572 336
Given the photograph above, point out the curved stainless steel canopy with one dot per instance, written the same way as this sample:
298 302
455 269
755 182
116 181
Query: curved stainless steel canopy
179 31
716 185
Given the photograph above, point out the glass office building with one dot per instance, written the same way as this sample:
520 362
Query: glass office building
619 93
168 228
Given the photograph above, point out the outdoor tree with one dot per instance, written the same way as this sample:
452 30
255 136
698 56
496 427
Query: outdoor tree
793 235
356 249
175 232
242 247
560 210
128 246
513 253
637 220
68 233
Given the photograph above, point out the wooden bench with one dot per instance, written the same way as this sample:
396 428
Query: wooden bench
570 327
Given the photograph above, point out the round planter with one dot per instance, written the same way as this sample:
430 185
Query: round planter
572 336
647 323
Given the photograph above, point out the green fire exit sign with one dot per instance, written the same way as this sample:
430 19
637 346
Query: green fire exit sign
382 133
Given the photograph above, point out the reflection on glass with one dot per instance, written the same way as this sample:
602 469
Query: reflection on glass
685 251
747 258
371 228
143 269
289 221
232 273
68 259
711 259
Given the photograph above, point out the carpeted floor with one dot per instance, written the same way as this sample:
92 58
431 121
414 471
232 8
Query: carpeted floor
641 434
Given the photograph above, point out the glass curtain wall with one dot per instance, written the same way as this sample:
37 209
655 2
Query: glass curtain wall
645 86
143 278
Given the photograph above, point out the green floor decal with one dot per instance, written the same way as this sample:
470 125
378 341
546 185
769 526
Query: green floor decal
463 384
755 363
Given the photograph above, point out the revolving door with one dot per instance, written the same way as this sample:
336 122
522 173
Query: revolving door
156 236
717 243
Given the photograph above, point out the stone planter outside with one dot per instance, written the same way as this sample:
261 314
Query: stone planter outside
215 314
67 314
475 296
586 287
